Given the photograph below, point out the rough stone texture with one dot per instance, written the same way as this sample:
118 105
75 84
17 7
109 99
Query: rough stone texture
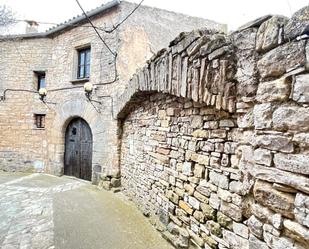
31 149
270 33
301 209
279 202
212 134
277 90
291 117
294 163
300 92
298 24
282 59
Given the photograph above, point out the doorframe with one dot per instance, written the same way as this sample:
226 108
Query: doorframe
67 123
104 130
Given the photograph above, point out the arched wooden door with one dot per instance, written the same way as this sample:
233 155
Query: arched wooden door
78 150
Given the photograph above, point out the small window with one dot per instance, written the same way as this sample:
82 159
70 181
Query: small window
83 70
39 120
40 77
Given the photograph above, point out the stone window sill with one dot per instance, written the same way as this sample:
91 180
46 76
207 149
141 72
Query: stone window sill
83 80
38 129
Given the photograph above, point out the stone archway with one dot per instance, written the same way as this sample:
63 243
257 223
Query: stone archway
65 113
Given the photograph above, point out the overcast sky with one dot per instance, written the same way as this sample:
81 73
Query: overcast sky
232 12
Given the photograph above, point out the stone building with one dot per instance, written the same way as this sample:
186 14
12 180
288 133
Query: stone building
210 138
62 59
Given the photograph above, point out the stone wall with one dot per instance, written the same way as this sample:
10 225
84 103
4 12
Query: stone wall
215 136
25 148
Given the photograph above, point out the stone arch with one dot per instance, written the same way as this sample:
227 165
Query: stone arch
199 66
65 113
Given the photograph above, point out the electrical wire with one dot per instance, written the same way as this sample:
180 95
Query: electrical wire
15 90
115 78
119 24
113 53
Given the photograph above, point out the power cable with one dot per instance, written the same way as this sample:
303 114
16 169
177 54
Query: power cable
100 37
118 25
113 53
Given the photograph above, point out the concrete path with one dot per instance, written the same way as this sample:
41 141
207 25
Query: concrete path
43 211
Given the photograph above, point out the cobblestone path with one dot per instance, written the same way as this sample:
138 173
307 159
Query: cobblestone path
43 211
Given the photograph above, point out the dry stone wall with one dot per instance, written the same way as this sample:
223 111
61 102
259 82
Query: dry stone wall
215 141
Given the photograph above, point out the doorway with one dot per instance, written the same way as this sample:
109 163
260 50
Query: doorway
78 149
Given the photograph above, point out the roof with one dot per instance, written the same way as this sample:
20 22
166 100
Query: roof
71 22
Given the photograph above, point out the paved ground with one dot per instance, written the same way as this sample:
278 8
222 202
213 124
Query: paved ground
42 211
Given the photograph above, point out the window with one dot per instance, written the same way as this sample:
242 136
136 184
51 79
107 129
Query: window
40 80
83 70
39 120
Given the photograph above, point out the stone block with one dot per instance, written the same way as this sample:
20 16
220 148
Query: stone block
255 243
294 118
277 90
196 239
203 159
295 230
235 241
214 228
297 25
278 176
186 207
210 242
255 226
277 221
214 201
199 171
300 91
208 211
302 139
200 133
204 190
194 202
187 168
284 188
200 197
224 221
241 229
276 242
273 142
245 120
277 201
262 115
219 180
263 156
296 163
225 161
231 210
189 188
282 59
236 187
207 146
199 216
172 197
226 123
301 209
270 33
214 162
224 195
197 122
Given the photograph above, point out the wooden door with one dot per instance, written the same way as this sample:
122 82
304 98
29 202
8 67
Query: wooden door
78 150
